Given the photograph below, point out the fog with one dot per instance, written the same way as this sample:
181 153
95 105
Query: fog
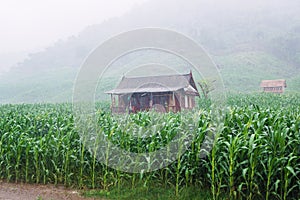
49 40
31 25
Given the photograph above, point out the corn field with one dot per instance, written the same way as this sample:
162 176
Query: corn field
256 155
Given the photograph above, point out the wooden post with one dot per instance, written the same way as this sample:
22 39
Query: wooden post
111 107
151 100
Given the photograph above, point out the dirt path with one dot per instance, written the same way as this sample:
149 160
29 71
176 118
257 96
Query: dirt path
11 191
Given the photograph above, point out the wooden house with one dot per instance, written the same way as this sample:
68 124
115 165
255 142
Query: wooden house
162 93
274 86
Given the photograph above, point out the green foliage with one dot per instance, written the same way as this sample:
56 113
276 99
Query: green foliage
256 155
151 192
244 71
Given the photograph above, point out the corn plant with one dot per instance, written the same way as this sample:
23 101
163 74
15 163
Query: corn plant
256 155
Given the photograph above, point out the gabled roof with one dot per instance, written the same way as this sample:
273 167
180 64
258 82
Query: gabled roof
163 83
273 83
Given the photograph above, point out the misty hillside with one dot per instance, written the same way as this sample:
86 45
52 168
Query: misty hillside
248 41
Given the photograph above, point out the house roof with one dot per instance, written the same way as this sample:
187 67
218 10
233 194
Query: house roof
165 83
273 83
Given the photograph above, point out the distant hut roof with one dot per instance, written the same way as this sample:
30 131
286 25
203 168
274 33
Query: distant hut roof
273 83
163 83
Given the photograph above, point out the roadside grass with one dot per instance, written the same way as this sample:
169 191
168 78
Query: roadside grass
152 192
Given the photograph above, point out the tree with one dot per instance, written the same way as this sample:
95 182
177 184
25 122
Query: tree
206 87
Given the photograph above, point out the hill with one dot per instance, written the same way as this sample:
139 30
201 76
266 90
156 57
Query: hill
248 42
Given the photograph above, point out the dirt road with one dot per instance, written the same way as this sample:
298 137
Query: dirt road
19 191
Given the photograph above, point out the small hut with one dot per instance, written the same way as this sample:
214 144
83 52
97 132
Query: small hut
162 93
274 86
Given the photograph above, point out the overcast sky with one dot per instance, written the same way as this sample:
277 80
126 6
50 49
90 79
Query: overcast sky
28 25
